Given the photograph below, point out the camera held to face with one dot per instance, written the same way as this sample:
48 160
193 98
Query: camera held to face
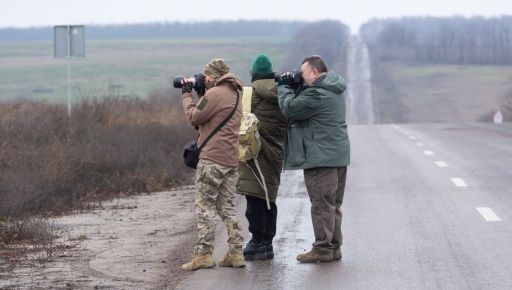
198 83
293 78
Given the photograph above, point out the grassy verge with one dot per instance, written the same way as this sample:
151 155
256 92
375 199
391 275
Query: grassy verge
439 93
51 164
113 145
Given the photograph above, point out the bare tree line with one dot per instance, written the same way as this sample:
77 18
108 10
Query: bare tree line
453 40
210 29
328 38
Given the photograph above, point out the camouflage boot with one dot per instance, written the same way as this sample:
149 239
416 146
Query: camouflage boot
233 258
199 262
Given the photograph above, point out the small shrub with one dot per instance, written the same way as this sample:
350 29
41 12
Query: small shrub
26 230
27 236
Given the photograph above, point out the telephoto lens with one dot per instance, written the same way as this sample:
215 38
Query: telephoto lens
293 78
178 82
197 83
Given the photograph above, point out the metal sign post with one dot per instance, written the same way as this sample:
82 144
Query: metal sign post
69 41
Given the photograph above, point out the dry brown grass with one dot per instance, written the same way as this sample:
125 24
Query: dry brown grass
109 146
50 163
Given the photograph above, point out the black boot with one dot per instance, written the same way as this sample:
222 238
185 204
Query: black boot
255 250
269 249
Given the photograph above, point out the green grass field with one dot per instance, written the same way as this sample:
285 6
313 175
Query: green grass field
405 92
443 93
127 67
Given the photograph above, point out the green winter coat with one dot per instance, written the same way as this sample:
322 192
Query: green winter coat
317 130
272 129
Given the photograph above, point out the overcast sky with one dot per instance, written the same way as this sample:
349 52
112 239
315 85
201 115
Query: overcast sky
24 13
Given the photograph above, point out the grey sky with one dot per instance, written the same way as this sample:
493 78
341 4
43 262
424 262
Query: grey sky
23 13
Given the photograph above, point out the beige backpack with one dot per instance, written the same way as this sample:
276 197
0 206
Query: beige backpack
250 142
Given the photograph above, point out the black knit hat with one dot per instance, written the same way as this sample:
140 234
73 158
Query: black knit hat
261 65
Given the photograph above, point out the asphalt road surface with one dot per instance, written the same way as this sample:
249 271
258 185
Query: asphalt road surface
427 206
359 95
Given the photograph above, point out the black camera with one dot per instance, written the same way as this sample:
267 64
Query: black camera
198 82
292 78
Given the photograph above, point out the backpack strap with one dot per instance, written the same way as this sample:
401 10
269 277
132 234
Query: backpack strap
261 181
223 122
246 107
246 99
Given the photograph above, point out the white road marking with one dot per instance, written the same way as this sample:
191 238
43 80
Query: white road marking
406 133
459 182
429 153
488 214
420 144
441 164
412 137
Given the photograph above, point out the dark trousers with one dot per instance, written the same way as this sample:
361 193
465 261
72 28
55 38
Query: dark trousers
262 221
326 187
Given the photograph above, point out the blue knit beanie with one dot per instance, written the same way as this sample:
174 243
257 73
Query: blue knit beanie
261 65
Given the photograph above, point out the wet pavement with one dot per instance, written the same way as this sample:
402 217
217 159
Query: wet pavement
406 224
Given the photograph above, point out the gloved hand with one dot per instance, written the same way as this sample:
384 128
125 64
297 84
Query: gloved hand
187 88
285 79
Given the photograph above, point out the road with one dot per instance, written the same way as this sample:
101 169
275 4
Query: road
427 206
360 103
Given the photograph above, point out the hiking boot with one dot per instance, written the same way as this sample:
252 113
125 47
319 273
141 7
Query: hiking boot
336 254
269 250
233 258
314 257
255 250
199 262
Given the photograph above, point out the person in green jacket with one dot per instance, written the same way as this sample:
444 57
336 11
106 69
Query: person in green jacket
318 143
272 130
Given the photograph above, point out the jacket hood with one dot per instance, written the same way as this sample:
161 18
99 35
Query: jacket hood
266 88
231 80
332 82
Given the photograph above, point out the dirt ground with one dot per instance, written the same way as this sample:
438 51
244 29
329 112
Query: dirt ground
137 242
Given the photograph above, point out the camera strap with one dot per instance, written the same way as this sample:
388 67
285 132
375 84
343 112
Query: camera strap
221 124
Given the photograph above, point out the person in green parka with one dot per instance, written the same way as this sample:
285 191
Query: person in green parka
318 143
272 130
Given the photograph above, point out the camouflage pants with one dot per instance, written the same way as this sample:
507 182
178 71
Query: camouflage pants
216 187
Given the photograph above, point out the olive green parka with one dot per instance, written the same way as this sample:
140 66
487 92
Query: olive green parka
317 131
272 129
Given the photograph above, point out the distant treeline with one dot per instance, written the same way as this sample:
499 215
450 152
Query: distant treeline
211 29
457 40
328 38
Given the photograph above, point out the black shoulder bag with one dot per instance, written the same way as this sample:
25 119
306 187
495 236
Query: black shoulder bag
192 151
